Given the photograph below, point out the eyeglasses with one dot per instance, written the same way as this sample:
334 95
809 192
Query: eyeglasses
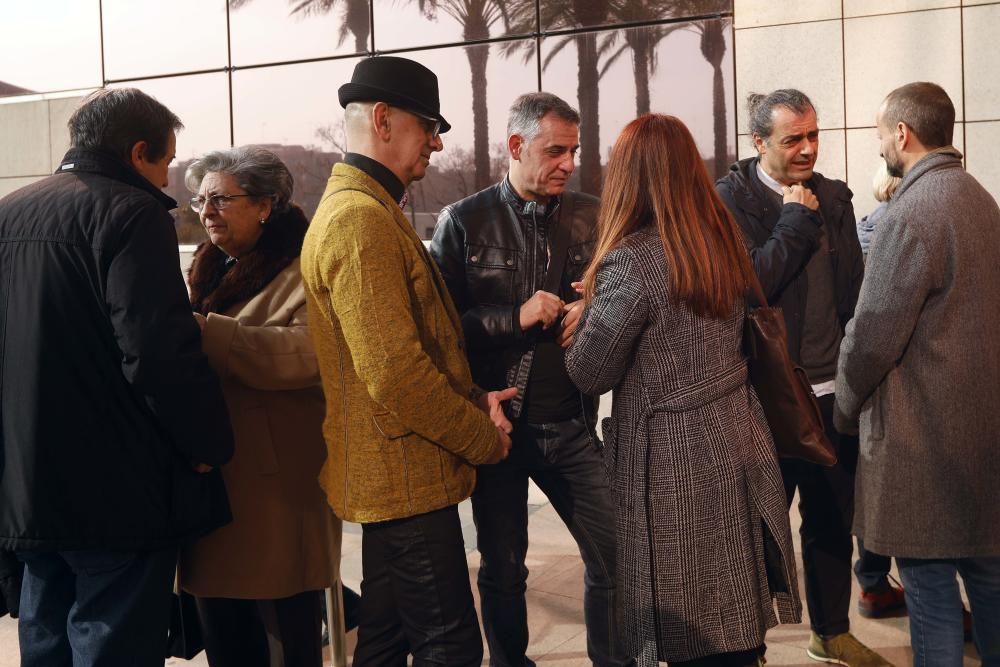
219 202
431 126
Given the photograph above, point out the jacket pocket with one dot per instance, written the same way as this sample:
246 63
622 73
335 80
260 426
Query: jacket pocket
490 274
390 427
254 441
578 257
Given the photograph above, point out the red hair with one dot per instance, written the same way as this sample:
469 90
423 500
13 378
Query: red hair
656 177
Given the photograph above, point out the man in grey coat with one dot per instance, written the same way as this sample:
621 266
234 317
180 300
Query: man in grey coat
920 365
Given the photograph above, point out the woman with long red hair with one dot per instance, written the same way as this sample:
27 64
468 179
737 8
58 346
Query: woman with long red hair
705 560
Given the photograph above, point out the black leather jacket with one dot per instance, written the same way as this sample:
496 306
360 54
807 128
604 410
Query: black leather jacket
784 238
493 260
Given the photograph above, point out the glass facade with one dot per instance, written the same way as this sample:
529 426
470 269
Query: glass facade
267 72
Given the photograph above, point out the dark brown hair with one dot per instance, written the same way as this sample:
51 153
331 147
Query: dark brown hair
926 109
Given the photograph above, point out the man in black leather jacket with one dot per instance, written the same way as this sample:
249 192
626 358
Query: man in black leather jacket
801 231
495 249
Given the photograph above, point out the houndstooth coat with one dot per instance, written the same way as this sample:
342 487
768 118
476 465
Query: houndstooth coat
704 543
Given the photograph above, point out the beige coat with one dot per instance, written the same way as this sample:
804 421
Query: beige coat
283 539
402 434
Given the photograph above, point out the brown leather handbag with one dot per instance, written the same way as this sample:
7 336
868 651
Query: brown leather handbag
782 387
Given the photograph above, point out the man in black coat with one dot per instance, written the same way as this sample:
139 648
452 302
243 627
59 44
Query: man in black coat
112 423
801 230
509 255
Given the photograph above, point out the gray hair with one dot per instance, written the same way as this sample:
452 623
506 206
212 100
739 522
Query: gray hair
257 170
528 110
926 108
760 107
116 119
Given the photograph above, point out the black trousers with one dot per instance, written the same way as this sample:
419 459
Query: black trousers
872 570
261 633
566 463
415 594
826 503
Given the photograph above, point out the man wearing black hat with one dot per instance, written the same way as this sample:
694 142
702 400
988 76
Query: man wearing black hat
509 255
405 425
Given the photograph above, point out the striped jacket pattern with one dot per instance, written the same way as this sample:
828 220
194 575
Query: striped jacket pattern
705 557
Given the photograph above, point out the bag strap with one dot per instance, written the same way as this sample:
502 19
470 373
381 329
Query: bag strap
560 245
756 289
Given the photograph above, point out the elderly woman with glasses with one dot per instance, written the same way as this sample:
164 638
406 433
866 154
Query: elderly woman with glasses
258 581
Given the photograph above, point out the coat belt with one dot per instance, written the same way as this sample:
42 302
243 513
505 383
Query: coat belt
705 391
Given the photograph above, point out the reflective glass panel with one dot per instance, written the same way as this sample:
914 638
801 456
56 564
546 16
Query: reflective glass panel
563 14
152 38
269 31
49 46
406 23
612 76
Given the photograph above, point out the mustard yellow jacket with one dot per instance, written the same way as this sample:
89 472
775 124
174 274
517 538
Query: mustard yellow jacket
402 436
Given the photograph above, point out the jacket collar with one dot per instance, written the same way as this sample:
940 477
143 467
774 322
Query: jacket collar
379 172
946 157
524 208
107 164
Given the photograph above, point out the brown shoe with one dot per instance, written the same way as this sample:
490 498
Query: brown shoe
889 603
843 649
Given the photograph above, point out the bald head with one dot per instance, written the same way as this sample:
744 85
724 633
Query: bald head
359 126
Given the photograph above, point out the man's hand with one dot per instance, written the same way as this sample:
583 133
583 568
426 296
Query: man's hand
543 308
492 404
571 320
202 467
500 450
799 194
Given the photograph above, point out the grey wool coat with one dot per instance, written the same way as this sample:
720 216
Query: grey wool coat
920 364
704 545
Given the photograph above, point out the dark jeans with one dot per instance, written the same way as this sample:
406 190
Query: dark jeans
415 594
935 606
565 462
95 608
826 504
247 633
872 570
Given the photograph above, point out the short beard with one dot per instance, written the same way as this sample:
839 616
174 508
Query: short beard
894 168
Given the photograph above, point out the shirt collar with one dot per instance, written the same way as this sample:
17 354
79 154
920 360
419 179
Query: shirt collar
766 179
380 173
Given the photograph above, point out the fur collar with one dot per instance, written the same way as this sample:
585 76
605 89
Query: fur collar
215 288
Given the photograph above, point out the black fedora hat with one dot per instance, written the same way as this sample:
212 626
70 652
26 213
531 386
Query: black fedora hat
397 81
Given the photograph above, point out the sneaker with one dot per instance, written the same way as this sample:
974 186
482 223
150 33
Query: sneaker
890 602
843 649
